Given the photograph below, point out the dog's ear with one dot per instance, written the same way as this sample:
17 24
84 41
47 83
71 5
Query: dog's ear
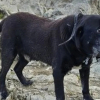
77 36
77 31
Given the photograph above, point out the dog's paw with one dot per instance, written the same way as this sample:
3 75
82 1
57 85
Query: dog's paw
27 83
87 97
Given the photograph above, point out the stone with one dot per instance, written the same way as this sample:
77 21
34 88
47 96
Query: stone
36 97
95 69
49 97
40 73
71 78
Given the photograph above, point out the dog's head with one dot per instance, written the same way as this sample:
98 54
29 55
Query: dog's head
86 34
90 39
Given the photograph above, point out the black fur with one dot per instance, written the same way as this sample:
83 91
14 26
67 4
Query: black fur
41 38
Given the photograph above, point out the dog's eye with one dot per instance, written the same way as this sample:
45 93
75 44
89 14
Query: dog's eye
98 31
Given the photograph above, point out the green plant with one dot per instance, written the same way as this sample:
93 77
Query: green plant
2 14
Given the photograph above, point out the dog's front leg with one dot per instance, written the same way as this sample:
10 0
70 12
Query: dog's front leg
84 75
58 80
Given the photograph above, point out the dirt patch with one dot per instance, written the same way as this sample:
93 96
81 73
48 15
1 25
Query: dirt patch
43 86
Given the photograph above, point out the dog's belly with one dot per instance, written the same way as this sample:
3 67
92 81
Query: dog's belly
38 55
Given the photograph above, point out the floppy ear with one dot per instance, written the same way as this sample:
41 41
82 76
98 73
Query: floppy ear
77 36
77 29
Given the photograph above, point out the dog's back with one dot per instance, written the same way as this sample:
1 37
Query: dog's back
29 35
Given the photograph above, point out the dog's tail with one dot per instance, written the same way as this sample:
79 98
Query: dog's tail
1 24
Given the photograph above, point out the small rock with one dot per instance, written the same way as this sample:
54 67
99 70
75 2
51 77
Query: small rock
49 97
36 97
49 68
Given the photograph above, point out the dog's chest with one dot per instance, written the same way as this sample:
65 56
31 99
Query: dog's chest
79 60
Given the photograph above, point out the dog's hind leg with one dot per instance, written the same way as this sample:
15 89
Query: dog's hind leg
84 75
19 68
7 56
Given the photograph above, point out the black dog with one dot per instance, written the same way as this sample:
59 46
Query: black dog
62 43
